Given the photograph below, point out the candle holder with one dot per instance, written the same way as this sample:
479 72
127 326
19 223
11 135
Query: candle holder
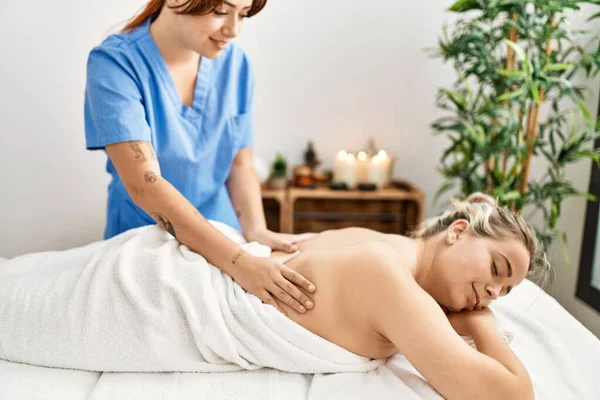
367 187
338 186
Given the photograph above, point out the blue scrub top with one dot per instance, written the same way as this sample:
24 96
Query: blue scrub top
130 95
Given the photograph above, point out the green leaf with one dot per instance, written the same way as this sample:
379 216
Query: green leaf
456 98
510 3
563 247
552 142
517 49
511 95
476 134
557 67
510 196
464 5
561 81
553 215
521 53
535 92
586 195
597 15
511 73
591 154
456 127
548 156
586 114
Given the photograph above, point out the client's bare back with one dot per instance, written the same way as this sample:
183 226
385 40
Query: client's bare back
339 262
338 238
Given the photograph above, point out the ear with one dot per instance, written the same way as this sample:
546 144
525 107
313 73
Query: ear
456 229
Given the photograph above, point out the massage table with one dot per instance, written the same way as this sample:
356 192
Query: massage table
561 355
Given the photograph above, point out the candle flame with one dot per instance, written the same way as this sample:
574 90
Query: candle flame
382 154
342 154
362 156
350 158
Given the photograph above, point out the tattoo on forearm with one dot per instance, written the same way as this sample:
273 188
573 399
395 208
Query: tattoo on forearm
164 223
237 256
150 177
139 153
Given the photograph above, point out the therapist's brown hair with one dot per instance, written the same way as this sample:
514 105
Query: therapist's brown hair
189 7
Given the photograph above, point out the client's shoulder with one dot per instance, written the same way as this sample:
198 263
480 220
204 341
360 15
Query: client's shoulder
378 263
385 256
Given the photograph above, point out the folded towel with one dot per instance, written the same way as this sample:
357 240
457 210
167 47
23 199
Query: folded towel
142 302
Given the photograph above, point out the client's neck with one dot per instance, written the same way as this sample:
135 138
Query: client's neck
425 250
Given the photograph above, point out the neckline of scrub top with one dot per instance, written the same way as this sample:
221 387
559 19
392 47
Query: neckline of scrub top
202 78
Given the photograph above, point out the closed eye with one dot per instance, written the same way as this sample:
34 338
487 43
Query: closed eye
494 269
223 13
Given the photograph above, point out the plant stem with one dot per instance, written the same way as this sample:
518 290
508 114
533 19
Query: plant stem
513 36
532 124
519 137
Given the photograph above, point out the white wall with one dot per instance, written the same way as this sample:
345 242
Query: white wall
335 72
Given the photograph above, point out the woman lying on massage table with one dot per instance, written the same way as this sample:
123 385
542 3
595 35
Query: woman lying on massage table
379 294
142 302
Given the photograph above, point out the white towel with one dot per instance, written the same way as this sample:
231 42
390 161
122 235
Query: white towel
142 302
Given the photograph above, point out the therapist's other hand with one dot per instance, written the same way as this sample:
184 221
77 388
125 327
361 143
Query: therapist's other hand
278 241
269 278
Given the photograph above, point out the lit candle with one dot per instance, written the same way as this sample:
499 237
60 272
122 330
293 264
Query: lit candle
339 165
362 167
386 166
349 171
376 171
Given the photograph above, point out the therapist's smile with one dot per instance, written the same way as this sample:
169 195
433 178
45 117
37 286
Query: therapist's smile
219 44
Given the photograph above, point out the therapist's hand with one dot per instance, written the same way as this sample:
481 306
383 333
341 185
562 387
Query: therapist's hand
278 241
269 278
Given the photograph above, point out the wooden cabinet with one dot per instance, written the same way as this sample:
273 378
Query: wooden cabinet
296 210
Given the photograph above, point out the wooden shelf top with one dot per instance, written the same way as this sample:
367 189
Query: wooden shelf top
273 194
326 193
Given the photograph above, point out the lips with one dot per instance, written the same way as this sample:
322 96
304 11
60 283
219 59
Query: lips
220 43
477 300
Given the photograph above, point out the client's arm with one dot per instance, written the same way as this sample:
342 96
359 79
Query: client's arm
411 319
481 326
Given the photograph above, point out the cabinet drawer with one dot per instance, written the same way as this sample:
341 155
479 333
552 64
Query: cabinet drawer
272 214
348 206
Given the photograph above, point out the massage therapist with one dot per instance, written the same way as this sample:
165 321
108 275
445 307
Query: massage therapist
170 100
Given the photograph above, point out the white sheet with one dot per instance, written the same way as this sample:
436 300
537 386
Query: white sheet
562 357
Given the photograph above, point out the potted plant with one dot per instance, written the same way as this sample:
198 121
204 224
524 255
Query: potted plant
278 178
512 58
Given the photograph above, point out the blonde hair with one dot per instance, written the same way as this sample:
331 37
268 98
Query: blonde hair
487 219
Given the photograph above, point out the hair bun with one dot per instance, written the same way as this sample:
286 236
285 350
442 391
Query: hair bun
480 198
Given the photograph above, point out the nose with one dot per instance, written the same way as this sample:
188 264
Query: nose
232 26
493 291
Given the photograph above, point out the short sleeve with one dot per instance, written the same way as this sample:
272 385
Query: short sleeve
114 110
246 120
243 124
